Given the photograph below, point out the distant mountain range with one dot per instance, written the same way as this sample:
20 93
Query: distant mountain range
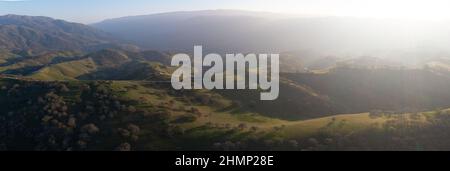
307 40
43 34
243 31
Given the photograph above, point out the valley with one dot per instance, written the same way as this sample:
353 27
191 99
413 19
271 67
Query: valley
303 118
70 87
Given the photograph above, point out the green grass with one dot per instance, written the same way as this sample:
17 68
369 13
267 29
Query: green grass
34 61
4 56
226 120
223 120
65 71
218 123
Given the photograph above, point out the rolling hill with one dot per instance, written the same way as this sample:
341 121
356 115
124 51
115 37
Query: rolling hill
107 64
141 115
67 86
309 115
340 90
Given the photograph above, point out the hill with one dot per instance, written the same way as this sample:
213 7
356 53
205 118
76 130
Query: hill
43 34
360 90
140 110
302 95
107 64
62 89
140 115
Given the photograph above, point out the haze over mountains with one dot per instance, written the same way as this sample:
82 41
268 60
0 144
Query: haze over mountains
312 41
241 31
85 88
302 95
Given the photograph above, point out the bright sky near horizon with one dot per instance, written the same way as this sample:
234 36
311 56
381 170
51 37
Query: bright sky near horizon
89 11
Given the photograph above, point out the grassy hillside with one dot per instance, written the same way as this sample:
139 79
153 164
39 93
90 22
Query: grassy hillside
108 64
66 71
232 128
5 56
358 90
27 64
137 109
190 120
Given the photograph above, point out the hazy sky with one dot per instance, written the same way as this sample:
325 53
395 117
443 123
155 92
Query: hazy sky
89 11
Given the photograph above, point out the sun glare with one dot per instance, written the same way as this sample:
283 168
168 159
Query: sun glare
401 9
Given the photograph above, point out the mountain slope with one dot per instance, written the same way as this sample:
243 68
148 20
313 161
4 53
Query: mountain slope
107 64
361 90
43 34
240 31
